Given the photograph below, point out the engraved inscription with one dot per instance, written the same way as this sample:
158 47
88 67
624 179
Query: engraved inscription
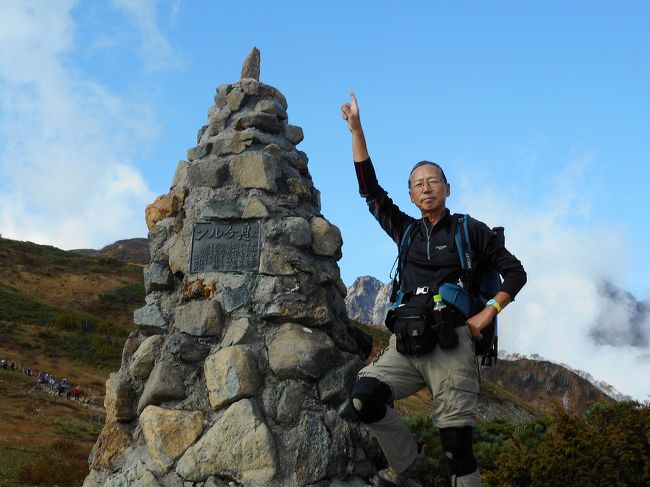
225 245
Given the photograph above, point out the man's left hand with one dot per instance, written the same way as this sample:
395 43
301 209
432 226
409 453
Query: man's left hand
480 320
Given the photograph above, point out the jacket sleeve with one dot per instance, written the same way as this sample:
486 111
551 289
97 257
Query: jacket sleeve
393 220
487 246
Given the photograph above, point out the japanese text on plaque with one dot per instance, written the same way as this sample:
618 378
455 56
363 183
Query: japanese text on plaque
227 245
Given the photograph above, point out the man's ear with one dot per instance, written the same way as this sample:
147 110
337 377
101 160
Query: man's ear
448 189
411 196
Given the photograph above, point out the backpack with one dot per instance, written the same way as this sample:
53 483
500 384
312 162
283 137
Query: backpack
481 280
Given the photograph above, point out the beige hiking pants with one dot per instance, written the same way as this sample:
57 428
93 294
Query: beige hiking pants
451 375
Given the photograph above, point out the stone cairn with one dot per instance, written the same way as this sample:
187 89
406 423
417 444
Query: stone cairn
243 355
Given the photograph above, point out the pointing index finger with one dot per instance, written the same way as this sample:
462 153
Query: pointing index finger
354 98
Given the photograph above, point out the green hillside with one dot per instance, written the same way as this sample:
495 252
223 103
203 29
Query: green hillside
67 314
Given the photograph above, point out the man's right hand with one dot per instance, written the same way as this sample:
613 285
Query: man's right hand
350 113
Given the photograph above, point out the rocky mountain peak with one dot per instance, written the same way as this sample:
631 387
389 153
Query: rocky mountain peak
367 300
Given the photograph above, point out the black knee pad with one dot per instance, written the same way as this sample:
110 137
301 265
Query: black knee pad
371 396
457 444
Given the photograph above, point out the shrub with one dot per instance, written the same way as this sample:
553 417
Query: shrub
490 441
73 321
18 307
64 464
105 348
75 428
380 336
131 294
6 329
112 329
67 320
94 348
607 445
513 464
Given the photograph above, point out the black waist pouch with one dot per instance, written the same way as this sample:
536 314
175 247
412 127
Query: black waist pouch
414 327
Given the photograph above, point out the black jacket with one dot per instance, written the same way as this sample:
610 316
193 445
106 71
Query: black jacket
432 261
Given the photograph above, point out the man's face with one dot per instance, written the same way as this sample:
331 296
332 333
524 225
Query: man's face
428 190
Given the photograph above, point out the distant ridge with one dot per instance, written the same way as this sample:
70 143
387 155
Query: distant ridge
542 383
131 250
603 386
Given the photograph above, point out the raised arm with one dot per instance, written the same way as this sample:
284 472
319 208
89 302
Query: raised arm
387 213
350 113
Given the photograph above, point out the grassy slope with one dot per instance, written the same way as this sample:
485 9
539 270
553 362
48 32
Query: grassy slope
67 280
67 314
34 423
64 312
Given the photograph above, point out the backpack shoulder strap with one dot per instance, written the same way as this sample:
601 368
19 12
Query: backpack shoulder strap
460 231
398 265
404 246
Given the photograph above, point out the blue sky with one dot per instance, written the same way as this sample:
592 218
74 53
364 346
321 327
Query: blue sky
538 111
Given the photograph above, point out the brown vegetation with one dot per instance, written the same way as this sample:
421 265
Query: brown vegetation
43 438
67 314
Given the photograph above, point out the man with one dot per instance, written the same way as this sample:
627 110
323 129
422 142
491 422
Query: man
450 374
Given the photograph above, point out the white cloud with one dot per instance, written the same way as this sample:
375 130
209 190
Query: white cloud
66 142
566 256
26 28
174 11
157 52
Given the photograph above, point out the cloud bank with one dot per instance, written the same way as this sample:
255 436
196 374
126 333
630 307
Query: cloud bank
66 141
624 323
565 312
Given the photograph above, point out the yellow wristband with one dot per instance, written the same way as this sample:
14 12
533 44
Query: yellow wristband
493 302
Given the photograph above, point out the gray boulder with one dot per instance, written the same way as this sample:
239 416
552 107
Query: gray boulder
164 384
299 352
239 444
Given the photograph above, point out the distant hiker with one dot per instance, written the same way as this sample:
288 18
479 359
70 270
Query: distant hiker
419 354
75 393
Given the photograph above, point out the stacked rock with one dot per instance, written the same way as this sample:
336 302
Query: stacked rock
244 352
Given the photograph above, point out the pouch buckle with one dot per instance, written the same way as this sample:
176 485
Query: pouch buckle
422 290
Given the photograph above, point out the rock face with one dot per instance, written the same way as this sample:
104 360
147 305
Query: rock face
244 352
367 300
541 384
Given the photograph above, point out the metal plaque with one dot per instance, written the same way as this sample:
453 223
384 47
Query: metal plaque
225 245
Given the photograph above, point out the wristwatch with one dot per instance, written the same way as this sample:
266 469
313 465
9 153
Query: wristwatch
493 303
